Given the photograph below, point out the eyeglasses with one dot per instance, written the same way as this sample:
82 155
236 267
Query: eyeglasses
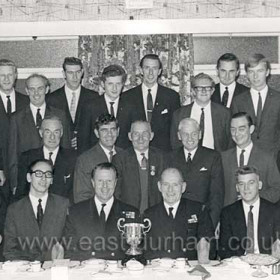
40 173
201 89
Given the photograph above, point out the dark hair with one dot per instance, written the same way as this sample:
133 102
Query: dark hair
113 71
255 60
151 56
7 62
104 166
105 118
72 61
40 76
243 114
201 76
33 163
228 57
246 169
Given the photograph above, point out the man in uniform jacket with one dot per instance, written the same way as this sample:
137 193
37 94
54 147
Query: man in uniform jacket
63 160
139 168
35 223
91 228
107 131
179 225
154 102
228 69
72 98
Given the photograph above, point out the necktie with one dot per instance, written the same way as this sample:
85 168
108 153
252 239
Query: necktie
250 232
241 158
73 106
9 106
150 105
102 217
225 97
112 109
38 119
144 162
39 212
50 157
189 158
259 114
111 153
201 123
170 212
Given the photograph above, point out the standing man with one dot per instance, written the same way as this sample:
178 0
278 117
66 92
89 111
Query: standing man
213 118
107 131
228 68
201 168
36 219
262 103
113 102
154 102
139 168
25 124
72 97
247 153
63 160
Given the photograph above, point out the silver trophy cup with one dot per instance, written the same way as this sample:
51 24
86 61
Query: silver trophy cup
133 233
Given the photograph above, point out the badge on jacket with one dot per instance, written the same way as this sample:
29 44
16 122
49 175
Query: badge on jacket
193 219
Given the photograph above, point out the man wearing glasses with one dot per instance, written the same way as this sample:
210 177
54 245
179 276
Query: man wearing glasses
213 118
34 224
139 168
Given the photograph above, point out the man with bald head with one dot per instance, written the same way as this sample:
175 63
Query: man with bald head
201 168
178 224
139 168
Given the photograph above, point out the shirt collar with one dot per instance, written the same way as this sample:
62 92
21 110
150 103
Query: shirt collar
175 207
246 206
12 93
108 206
205 107
230 87
153 88
192 152
47 152
247 149
70 91
263 91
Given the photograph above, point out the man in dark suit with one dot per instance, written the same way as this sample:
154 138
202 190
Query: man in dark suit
63 160
139 168
91 226
113 102
179 225
249 225
201 168
154 102
72 98
213 118
247 153
228 68
107 131
25 124
10 102
262 103
3 209
35 223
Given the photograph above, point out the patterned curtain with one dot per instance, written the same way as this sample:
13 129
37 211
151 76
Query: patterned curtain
174 50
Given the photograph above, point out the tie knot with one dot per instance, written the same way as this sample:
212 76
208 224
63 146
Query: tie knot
38 110
39 200
226 88
149 91
242 151
251 208
8 96
103 205
112 103
202 109
259 93
51 153
170 212
142 154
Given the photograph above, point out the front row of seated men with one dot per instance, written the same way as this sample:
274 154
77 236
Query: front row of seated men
180 227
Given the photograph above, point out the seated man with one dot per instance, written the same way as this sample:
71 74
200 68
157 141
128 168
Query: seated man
35 223
91 226
107 131
178 225
249 225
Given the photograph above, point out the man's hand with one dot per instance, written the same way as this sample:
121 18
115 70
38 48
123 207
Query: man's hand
2 178
57 251
275 249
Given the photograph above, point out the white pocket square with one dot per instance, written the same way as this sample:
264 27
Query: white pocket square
165 111
203 169
193 219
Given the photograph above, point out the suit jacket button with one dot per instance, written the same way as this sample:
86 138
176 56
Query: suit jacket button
184 250
168 251
112 254
93 253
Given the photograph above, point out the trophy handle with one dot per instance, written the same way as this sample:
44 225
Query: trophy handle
121 227
148 227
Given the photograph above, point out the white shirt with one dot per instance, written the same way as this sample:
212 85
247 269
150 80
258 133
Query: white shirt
140 157
35 201
255 210
12 98
186 152
106 208
231 89
69 96
145 95
107 151
34 110
208 138
255 97
175 208
115 105
47 154
246 154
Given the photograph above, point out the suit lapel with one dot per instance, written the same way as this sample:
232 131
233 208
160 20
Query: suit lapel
31 216
269 103
248 104
215 120
101 153
140 103
240 220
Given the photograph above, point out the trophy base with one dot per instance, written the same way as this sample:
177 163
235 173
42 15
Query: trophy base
140 258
